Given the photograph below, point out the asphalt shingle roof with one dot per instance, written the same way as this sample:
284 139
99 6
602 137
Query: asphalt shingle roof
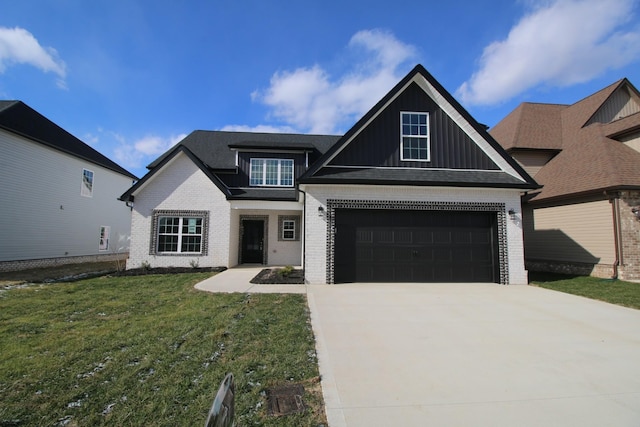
589 160
17 117
213 147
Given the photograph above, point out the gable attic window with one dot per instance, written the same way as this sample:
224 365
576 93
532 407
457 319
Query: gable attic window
414 137
271 173
86 188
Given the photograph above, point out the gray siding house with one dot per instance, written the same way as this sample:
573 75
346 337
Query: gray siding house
415 191
58 198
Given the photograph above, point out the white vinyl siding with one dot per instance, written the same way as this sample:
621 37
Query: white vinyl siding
578 233
43 214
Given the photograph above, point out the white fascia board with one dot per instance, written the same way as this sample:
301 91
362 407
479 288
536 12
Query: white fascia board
464 125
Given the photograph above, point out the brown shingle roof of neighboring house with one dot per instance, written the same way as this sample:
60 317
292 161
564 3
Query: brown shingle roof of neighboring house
521 128
590 161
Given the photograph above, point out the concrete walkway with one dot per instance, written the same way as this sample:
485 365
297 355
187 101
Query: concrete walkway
467 354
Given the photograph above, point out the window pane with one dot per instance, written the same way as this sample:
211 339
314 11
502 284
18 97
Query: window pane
169 225
288 229
191 243
167 243
286 172
257 168
192 226
272 172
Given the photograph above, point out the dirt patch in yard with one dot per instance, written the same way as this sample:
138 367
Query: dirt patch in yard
73 272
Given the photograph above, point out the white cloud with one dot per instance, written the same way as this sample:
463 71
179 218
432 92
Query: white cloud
310 100
258 129
558 43
19 46
143 151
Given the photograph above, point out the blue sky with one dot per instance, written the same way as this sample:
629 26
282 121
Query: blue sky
131 78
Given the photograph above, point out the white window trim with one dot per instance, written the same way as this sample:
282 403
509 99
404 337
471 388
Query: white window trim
292 229
180 235
264 173
426 137
84 190
295 219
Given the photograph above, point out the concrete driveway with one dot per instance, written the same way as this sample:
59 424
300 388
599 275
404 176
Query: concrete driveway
474 355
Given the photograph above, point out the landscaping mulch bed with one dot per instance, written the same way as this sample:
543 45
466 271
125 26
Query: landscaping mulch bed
277 276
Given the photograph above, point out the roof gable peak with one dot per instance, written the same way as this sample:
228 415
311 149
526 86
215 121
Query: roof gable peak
435 101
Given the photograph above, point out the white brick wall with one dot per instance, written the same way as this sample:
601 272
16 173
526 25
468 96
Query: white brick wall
316 226
180 185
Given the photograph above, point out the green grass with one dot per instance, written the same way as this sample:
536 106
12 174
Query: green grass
613 291
149 350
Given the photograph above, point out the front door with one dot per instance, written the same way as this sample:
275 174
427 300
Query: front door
252 241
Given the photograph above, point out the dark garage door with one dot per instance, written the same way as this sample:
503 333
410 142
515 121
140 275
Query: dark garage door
415 246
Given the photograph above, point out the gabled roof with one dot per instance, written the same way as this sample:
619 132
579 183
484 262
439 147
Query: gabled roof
18 118
215 152
503 173
590 161
213 148
166 158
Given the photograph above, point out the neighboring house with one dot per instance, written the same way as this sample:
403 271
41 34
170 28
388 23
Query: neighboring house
415 191
587 158
59 197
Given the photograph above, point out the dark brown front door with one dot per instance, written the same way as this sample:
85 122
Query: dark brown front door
252 241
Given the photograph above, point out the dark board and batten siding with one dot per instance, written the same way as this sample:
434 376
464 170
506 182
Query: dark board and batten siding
378 145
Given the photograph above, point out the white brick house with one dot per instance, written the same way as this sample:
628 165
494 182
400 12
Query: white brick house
416 191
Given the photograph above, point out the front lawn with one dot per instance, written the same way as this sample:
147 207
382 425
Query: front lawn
609 290
149 350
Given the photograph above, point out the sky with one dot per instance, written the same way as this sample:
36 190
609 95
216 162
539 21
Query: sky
131 78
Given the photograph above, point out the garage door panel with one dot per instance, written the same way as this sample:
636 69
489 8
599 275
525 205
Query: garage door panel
460 237
462 255
441 237
480 236
415 246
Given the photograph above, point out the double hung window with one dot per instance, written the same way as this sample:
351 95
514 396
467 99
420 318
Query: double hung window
288 227
271 173
414 136
180 234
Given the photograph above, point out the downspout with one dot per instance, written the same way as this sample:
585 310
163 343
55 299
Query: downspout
615 205
303 234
